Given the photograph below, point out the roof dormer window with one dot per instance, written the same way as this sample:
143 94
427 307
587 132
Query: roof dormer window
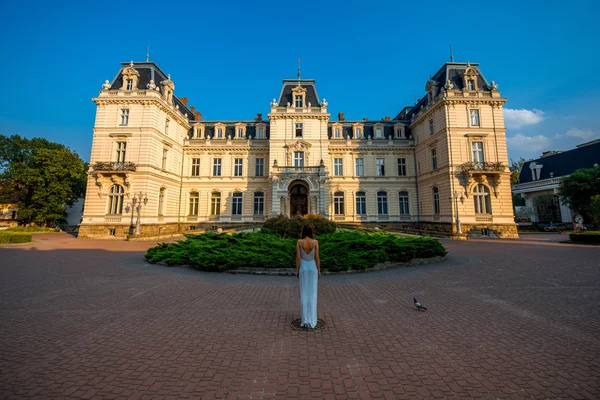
129 84
470 84
298 101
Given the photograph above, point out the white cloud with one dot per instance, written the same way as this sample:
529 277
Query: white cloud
580 133
528 144
519 118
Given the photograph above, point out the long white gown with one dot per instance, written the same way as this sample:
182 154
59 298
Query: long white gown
309 276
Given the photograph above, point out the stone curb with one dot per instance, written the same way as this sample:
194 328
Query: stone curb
292 272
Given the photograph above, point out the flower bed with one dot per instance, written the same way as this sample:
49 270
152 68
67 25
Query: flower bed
8 237
585 237
339 251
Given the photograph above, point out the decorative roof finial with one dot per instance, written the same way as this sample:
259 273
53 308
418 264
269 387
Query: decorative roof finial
451 55
169 76
299 61
131 64
148 53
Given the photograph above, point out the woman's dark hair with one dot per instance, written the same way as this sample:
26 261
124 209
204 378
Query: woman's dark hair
307 230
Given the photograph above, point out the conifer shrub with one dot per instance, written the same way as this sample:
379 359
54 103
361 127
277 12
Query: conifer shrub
339 251
292 227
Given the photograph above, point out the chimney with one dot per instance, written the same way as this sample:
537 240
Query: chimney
387 118
341 116
184 100
192 108
365 118
258 117
198 116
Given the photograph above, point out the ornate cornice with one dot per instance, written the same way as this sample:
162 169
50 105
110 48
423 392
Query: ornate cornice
148 101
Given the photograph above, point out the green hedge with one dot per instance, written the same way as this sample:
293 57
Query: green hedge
32 229
339 251
292 227
14 237
585 237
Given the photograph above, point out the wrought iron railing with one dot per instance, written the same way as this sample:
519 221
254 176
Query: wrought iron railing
297 170
113 166
482 167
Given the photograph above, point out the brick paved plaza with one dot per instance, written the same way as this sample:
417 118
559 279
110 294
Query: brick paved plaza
507 319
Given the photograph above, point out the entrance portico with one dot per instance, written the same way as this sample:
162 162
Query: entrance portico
299 194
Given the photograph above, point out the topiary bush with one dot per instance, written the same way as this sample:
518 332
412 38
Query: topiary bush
585 237
339 251
292 227
7 237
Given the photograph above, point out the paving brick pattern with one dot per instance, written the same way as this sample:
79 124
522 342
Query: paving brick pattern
506 320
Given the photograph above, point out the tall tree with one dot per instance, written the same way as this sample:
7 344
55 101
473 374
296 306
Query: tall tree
577 189
515 170
42 177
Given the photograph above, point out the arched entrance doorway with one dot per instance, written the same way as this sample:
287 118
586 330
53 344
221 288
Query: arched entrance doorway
298 198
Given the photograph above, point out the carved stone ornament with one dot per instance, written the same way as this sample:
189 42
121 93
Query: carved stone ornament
449 85
151 85
493 85
106 85
288 104
430 83
274 103
324 103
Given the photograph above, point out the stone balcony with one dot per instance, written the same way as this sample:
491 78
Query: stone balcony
482 172
113 167
298 170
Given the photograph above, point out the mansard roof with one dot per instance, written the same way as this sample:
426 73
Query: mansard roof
286 92
562 164
452 72
368 128
230 127
149 71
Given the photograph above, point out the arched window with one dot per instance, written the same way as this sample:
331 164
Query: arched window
483 204
403 200
215 203
338 203
259 203
115 199
436 201
237 204
194 200
382 206
161 201
361 203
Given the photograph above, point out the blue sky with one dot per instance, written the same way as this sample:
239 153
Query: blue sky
369 59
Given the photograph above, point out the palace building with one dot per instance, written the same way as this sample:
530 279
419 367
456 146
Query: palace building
158 168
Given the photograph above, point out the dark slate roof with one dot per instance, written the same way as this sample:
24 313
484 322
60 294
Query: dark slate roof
289 84
149 71
388 128
209 128
452 72
565 163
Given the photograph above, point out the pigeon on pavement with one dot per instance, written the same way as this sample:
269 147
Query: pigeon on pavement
419 305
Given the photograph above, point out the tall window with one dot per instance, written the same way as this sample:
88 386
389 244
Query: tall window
433 159
298 159
195 167
216 167
261 133
161 201
259 203
298 101
260 167
194 201
402 167
219 133
481 195
215 204
380 167
240 133
236 204
357 133
361 203
238 166
360 167
338 203
115 199
129 84
164 158
382 206
430 127
298 130
436 201
403 200
337 133
337 167
125 117
167 126
121 148
474 117
378 133
470 84
477 148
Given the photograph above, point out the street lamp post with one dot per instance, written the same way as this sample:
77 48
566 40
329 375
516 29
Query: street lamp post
136 207
456 195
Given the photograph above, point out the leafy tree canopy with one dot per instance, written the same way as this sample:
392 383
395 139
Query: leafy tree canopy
42 177
515 170
577 189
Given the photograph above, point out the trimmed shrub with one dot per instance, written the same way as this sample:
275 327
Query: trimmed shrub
585 237
7 237
339 251
32 229
292 227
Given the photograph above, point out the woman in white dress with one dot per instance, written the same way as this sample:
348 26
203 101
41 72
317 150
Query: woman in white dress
308 270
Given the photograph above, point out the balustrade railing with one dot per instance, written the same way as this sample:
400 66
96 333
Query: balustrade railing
113 166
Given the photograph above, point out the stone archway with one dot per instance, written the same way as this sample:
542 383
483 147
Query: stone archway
298 194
